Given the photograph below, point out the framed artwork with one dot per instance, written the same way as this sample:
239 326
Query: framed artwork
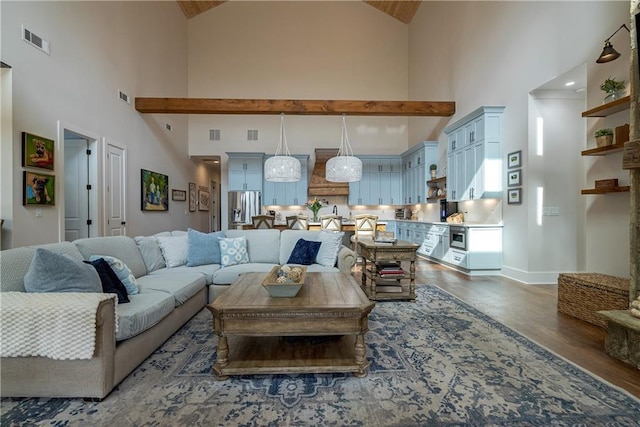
203 200
178 195
37 152
154 191
192 197
514 196
38 189
514 160
514 178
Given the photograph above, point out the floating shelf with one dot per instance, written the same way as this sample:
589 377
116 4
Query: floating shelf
609 108
603 151
606 190
437 180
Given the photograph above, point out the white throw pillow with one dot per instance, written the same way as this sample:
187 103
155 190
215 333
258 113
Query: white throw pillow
331 244
174 250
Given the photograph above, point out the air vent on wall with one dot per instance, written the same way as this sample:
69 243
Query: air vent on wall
252 134
214 134
167 126
124 97
35 40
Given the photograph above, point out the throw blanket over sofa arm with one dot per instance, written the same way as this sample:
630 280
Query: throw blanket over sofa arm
346 259
58 369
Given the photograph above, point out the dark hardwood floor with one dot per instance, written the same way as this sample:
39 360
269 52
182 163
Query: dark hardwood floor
531 310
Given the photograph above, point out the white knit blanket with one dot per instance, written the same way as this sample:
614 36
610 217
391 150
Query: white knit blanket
55 325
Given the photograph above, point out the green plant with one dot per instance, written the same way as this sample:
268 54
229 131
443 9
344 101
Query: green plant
612 85
433 167
603 132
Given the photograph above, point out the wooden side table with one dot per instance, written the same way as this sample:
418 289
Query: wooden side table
388 287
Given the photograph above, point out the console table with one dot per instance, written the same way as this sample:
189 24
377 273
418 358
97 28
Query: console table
379 287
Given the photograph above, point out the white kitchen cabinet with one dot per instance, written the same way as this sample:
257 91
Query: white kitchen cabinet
245 171
474 155
484 248
287 193
380 183
415 171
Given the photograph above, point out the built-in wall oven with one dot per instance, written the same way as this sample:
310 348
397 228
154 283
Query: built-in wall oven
458 237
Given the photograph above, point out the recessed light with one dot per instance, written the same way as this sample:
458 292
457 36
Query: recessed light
569 83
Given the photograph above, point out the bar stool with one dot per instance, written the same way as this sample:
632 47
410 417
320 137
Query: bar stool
262 221
365 227
298 222
331 223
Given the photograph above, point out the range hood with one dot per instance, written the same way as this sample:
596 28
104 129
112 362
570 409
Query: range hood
318 184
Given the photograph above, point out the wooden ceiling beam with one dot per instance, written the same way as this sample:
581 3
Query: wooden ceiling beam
403 10
294 107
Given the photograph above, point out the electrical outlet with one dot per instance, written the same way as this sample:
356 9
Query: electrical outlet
551 211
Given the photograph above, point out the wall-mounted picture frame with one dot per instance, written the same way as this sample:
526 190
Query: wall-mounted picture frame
514 178
38 189
514 160
178 195
203 200
154 191
192 196
37 151
514 196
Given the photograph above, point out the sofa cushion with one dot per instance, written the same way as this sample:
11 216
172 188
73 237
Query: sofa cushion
122 271
258 241
151 253
233 251
228 275
111 284
304 252
203 248
145 310
174 250
288 240
53 272
331 244
205 270
181 285
121 247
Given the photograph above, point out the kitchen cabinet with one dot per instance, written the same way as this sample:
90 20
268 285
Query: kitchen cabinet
380 184
474 155
415 171
287 193
245 171
604 111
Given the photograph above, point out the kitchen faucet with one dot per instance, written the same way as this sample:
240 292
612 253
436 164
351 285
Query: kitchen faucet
335 210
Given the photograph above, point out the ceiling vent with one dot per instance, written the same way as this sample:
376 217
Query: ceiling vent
35 40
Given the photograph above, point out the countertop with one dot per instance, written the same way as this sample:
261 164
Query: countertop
459 224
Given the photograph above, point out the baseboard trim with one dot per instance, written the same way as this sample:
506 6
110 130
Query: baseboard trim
531 277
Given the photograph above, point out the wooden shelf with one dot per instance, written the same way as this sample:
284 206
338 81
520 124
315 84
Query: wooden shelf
437 180
606 190
603 151
609 108
433 199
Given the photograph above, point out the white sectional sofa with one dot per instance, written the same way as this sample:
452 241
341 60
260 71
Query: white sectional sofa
167 299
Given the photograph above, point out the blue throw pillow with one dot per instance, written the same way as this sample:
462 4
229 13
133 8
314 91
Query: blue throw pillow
110 282
122 271
233 251
203 248
304 252
53 272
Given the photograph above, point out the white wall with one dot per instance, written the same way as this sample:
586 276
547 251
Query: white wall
495 53
297 50
96 49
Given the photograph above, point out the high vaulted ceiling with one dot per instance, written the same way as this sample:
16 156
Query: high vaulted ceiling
402 10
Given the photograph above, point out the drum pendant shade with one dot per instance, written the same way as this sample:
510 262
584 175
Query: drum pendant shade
282 167
345 167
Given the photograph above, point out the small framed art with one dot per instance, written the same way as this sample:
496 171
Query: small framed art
39 189
178 195
203 200
37 152
514 160
154 188
192 197
514 196
514 178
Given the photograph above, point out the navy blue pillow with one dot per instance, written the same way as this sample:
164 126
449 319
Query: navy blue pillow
304 252
111 284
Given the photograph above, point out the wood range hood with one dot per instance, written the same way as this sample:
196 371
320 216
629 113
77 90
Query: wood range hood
318 184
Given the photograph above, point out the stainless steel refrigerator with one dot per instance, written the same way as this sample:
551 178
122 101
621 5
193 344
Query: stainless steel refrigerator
242 206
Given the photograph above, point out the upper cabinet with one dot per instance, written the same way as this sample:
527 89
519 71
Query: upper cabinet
474 155
245 171
287 193
415 171
381 182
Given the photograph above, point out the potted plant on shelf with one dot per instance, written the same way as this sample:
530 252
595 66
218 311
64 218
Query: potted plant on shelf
613 88
433 169
604 137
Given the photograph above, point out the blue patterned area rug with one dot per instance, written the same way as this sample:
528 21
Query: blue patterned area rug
436 362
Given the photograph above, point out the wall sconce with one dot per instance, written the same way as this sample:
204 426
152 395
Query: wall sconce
609 53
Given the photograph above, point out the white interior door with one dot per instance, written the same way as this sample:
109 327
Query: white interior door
115 189
76 194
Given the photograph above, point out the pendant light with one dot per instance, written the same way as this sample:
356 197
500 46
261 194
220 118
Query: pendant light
282 167
344 167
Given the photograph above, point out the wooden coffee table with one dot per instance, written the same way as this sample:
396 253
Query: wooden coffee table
319 330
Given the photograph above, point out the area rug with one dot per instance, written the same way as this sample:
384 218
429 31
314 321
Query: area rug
435 362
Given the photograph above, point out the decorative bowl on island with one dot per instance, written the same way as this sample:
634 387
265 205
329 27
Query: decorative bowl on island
284 281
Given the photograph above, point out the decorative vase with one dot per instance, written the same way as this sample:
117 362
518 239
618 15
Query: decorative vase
612 96
433 174
605 140
315 216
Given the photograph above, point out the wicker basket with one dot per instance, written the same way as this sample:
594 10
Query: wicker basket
582 295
